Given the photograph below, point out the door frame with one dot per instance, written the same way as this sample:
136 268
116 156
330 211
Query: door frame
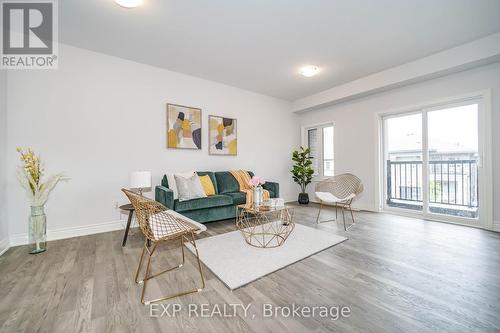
485 220
304 143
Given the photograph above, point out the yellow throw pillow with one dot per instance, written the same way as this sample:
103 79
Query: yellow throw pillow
207 185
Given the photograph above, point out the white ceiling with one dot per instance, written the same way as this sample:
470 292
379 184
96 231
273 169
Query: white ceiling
260 44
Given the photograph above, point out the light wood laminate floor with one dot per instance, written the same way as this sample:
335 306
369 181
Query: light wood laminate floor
396 274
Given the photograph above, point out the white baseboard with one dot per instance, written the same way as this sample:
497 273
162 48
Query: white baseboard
496 226
290 199
69 232
4 245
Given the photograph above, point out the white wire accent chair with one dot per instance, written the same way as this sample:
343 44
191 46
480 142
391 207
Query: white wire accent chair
338 191
159 224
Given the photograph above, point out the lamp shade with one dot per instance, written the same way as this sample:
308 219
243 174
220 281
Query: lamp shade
140 179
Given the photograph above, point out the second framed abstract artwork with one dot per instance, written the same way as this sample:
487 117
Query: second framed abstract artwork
183 127
223 136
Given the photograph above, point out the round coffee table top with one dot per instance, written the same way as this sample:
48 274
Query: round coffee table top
128 207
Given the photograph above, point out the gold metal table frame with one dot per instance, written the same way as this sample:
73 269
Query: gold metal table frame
265 228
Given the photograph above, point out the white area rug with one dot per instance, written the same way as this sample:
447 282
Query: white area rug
236 263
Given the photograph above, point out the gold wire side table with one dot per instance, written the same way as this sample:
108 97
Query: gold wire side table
265 226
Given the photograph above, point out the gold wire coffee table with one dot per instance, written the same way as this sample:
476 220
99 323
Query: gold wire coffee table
265 226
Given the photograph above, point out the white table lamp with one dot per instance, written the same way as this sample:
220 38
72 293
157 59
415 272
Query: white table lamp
140 180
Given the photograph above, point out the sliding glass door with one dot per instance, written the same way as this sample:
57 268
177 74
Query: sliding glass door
432 162
453 171
404 156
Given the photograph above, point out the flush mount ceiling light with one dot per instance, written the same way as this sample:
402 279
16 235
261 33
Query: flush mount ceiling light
129 3
309 70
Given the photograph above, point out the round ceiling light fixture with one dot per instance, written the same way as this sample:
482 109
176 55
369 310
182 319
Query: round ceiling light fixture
309 70
129 3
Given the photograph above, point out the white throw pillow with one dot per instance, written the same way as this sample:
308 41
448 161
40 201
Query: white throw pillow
328 197
189 188
172 184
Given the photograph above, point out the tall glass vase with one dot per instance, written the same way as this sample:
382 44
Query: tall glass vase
37 230
258 193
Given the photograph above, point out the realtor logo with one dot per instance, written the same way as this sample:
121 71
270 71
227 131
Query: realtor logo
29 34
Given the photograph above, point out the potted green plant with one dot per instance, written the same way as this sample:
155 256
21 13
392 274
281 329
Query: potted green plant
302 172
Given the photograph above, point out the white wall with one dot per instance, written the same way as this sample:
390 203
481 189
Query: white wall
99 117
3 162
355 124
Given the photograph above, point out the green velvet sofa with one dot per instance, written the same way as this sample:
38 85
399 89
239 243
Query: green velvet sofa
216 207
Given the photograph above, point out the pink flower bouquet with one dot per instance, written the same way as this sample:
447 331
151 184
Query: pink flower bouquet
256 181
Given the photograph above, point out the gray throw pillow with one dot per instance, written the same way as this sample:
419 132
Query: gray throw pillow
189 188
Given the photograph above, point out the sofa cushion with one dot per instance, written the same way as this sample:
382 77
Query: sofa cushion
212 178
239 198
211 214
226 182
208 202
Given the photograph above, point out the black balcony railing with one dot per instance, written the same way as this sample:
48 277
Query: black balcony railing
451 183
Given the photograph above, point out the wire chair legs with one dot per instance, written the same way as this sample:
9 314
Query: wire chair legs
342 207
319 212
348 206
148 276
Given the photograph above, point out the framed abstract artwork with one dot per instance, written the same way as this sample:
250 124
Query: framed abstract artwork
183 127
222 136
